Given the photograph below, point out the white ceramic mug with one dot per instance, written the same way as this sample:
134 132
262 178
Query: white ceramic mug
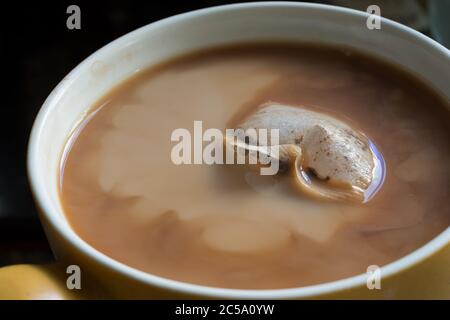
424 273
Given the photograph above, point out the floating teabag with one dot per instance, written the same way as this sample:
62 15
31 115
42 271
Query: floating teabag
329 159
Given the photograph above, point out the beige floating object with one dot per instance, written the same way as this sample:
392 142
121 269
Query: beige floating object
245 236
331 160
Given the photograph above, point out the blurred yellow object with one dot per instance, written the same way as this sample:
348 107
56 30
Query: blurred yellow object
40 282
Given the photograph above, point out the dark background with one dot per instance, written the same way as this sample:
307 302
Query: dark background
37 51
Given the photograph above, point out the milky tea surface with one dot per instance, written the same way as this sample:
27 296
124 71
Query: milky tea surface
228 226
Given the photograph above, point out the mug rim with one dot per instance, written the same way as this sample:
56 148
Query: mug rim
50 212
